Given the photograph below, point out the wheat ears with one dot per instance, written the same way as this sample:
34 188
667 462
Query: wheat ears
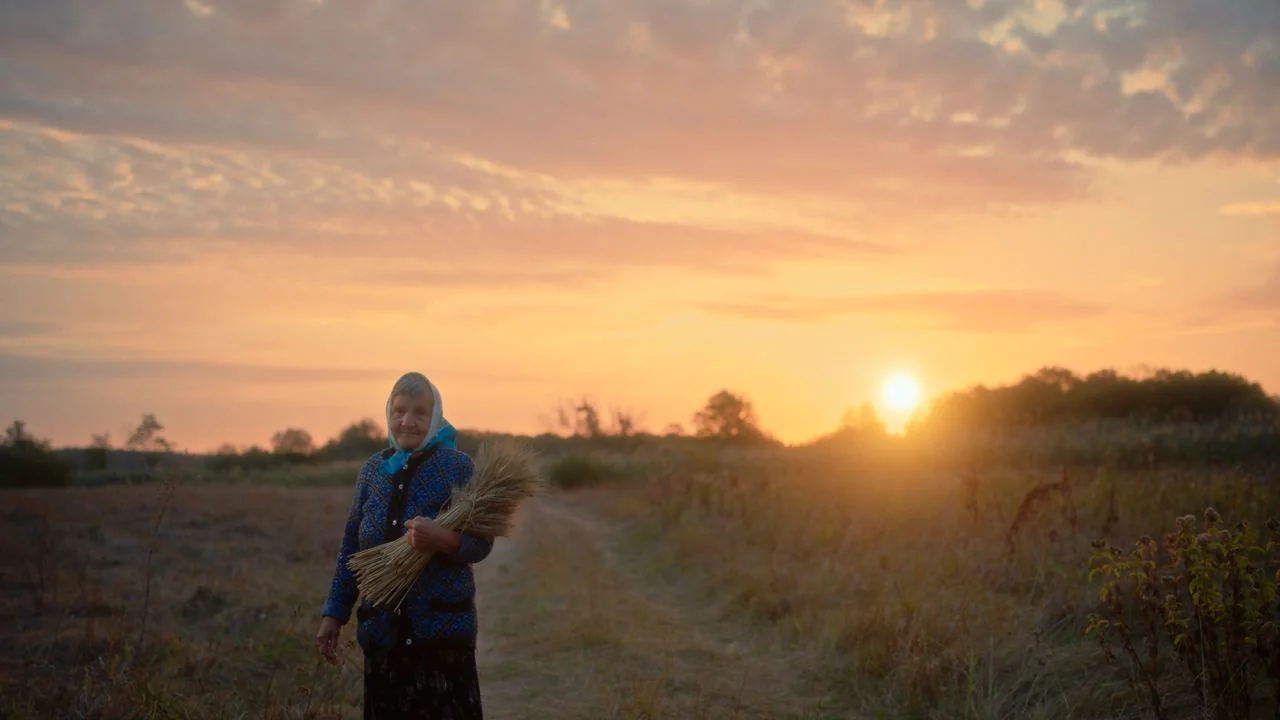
506 474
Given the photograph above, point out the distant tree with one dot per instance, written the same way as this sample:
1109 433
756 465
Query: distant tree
583 418
365 433
1062 379
358 440
146 437
863 419
673 430
625 422
292 441
28 462
727 416
227 449
95 457
580 418
17 433
587 420
857 426
1055 394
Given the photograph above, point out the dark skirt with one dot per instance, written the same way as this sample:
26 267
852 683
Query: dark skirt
429 679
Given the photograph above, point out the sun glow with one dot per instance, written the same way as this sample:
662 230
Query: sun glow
901 394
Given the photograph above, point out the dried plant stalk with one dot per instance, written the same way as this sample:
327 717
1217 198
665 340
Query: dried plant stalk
506 475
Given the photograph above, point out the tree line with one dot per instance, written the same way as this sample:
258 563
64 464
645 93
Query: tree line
1055 395
725 416
1049 397
26 460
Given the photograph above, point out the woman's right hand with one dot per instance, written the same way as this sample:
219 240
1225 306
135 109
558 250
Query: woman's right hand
327 639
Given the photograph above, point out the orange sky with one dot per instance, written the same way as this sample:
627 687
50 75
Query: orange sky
244 215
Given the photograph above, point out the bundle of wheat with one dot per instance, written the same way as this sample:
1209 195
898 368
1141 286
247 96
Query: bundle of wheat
506 474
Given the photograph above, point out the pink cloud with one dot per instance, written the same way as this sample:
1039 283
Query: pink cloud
996 311
1251 209
791 97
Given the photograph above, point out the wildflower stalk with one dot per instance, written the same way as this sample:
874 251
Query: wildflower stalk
1219 613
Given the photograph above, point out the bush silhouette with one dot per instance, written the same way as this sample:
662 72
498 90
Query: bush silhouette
28 462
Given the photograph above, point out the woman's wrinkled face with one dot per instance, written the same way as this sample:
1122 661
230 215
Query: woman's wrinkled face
410 419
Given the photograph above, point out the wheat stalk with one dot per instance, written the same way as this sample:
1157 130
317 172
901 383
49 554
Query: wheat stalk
505 475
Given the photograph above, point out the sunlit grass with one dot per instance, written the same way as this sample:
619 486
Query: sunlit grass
933 593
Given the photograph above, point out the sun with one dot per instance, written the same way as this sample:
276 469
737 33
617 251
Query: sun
901 393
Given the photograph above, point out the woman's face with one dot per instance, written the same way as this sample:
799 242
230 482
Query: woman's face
410 419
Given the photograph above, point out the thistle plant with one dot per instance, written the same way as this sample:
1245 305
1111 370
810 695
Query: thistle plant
1205 603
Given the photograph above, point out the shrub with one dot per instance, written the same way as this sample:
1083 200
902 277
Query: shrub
29 463
1205 600
254 460
574 471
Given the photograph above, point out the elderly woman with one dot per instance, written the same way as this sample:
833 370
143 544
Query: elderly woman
419 661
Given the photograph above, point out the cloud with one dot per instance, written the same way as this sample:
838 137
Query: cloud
995 311
17 329
22 369
1251 209
72 199
454 276
1263 296
32 368
928 105
1204 325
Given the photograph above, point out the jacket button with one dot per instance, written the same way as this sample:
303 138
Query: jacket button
408 641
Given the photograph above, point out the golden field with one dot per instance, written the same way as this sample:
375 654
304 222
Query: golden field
710 584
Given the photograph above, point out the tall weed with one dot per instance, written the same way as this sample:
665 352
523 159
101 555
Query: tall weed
1201 610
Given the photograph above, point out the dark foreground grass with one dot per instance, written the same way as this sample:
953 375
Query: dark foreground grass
134 602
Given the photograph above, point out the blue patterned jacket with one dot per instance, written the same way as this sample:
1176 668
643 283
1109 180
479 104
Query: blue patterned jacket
441 604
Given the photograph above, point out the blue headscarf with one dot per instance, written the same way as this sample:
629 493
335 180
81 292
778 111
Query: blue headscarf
439 432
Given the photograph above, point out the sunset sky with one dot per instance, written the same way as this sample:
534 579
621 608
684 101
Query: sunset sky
244 215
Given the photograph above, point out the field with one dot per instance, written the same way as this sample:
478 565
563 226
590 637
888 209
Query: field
715 584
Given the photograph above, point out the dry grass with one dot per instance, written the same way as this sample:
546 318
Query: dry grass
230 596
569 627
930 595
779 587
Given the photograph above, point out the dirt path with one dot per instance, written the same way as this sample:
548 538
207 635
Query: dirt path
572 627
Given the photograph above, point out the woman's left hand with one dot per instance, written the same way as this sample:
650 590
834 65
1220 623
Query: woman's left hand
426 535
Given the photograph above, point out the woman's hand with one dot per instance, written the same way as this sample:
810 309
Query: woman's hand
327 639
426 535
